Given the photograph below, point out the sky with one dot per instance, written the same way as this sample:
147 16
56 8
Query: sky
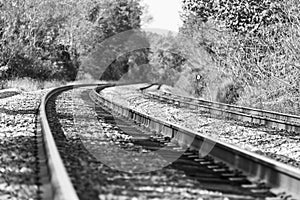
165 14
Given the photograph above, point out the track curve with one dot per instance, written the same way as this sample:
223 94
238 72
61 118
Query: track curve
282 177
59 185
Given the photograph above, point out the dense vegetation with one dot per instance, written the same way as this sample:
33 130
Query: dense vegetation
48 39
254 45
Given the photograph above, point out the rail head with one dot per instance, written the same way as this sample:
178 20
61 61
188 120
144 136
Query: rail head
60 182
61 185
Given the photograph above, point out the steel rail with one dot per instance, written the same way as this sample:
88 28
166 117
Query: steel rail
59 185
55 181
244 109
257 116
279 176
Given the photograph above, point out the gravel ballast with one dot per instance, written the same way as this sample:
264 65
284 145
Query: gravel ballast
279 145
18 150
90 148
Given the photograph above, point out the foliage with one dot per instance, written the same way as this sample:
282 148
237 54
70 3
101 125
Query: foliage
49 39
228 92
253 43
240 16
166 58
147 57
113 26
30 42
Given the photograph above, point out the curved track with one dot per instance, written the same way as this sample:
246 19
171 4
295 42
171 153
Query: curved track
55 180
57 184
219 163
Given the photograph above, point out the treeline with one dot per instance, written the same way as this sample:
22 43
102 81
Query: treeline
48 39
243 52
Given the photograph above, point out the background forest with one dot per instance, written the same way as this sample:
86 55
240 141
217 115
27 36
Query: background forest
245 52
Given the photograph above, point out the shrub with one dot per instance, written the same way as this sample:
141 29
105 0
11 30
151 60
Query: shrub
229 92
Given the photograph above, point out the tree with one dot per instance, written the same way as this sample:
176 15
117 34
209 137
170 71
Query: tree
115 25
50 39
30 38
166 58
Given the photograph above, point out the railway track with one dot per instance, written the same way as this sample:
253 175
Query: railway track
98 164
271 119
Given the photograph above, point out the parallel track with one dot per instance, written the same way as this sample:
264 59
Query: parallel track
277 175
256 116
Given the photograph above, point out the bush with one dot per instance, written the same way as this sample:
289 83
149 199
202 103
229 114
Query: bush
21 66
228 92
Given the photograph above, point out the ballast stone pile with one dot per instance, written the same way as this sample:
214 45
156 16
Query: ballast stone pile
18 169
278 145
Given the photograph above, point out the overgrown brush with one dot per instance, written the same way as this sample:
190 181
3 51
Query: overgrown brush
255 43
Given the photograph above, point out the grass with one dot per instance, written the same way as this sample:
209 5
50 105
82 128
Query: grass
28 85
